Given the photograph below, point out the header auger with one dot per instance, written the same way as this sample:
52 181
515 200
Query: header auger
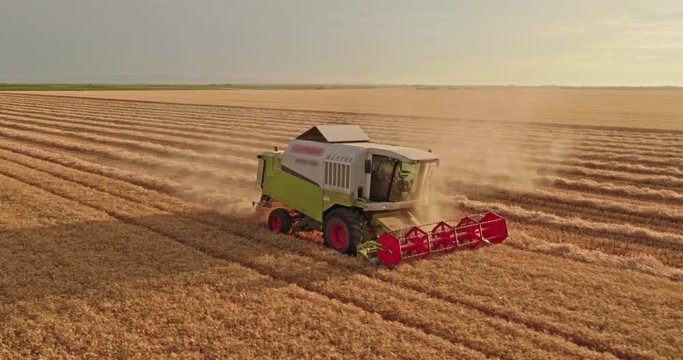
365 197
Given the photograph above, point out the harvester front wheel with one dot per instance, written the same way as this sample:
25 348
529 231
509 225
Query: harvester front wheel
342 230
280 221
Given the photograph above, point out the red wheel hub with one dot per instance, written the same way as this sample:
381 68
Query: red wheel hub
338 236
275 224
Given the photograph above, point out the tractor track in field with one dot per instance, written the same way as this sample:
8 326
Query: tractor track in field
664 195
166 123
245 149
184 242
169 122
170 145
174 189
542 328
206 109
214 159
203 121
585 185
148 205
272 273
315 298
160 163
653 238
172 166
241 148
568 204
180 147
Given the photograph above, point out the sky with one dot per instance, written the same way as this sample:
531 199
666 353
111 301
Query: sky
451 42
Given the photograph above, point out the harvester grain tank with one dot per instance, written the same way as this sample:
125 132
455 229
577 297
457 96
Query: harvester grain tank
365 197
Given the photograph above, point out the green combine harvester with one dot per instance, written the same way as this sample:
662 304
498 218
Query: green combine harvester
365 197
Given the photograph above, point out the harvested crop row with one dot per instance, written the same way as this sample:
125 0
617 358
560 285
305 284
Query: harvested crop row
163 104
203 120
172 166
172 141
140 284
165 127
644 193
97 126
625 167
622 144
325 279
621 148
619 248
676 163
656 181
190 155
571 203
644 264
207 110
622 326
637 234
259 236
649 194
205 190
609 242
144 180
618 189
630 191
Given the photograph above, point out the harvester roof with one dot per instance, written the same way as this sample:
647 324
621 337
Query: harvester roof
335 134
353 135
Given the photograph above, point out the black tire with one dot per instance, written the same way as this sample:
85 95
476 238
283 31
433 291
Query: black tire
280 221
343 223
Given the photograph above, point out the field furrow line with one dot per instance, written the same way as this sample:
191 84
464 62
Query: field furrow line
644 264
315 298
629 149
243 251
633 192
577 204
383 120
243 153
171 167
675 163
624 231
625 167
246 149
279 119
171 152
190 128
210 194
657 181
293 247
595 242
589 156
153 183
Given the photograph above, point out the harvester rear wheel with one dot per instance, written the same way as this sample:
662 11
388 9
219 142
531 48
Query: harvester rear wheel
342 230
280 221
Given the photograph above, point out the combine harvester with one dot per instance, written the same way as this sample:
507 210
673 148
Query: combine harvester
365 197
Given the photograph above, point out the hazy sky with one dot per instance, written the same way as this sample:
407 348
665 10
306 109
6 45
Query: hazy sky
528 42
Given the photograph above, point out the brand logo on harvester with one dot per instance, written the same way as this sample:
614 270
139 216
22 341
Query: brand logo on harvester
308 150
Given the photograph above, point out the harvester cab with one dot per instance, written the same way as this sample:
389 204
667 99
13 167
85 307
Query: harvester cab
365 197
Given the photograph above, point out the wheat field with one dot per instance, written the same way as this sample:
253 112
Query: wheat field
126 229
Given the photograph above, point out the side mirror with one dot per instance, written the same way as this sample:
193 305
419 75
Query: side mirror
368 166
